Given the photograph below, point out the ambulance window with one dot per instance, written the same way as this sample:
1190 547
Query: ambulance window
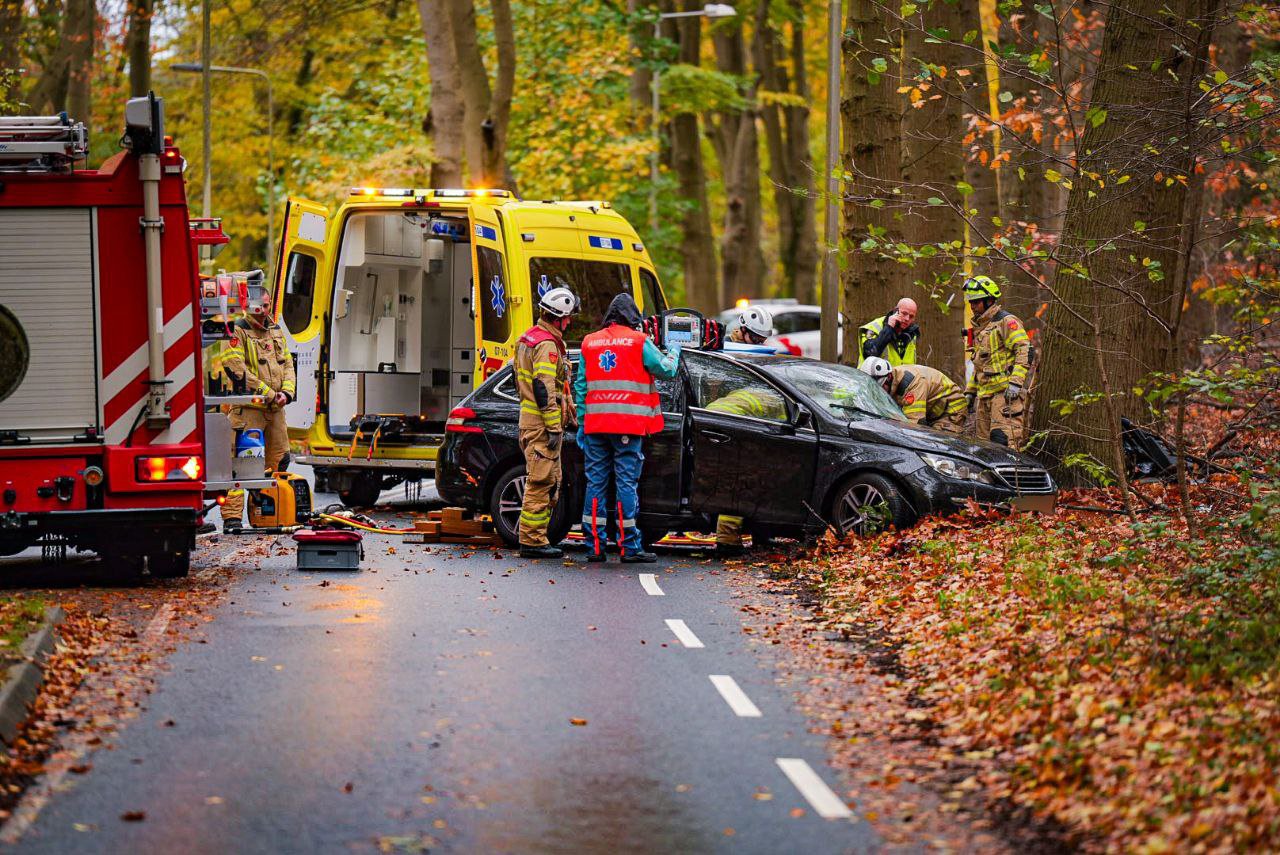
651 300
494 295
595 282
299 288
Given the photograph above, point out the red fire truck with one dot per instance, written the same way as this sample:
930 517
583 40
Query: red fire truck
102 423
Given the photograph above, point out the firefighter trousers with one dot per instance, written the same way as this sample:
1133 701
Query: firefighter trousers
620 455
1001 420
275 435
949 424
728 530
542 486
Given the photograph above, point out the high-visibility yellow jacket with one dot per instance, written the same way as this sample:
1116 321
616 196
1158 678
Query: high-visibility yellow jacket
897 346
757 403
926 394
1001 352
542 378
259 358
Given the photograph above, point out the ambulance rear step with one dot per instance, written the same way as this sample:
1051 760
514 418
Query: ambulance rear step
41 143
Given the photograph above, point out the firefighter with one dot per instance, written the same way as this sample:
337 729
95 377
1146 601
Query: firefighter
258 361
546 412
760 404
755 325
1001 355
619 404
926 395
894 336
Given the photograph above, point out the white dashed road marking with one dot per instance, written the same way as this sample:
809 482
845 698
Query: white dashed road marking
649 581
682 632
734 696
824 802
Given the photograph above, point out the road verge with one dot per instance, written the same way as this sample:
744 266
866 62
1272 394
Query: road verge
23 677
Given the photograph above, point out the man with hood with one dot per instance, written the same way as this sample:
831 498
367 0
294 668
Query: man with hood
616 396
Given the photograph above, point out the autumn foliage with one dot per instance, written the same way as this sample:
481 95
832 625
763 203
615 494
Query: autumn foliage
1118 679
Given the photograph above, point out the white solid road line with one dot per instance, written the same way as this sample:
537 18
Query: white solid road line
682 632
820 797
734 696
649 581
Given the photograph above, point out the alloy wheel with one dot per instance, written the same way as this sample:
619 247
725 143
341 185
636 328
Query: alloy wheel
862 509
510 502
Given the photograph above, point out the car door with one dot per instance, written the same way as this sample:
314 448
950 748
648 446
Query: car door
748 461
301 297
661 480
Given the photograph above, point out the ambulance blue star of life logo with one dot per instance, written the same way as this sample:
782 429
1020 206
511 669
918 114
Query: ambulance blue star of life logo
544 285
499 301
608 360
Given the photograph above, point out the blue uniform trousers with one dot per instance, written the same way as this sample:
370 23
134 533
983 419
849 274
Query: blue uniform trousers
620 455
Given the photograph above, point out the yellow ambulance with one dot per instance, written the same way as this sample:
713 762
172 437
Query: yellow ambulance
402 301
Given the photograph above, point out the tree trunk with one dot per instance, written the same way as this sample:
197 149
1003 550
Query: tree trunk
1119 259
638 38
790 167
871 124
81 27
933 164
138 46
737 145
487 110
444 120
977 105
12 19
697 247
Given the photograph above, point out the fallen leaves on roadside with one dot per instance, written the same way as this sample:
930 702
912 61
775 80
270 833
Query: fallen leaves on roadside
134 815
578 722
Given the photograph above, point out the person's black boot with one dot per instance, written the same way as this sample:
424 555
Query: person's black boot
541 552
639 558
595 558
232 527
729 550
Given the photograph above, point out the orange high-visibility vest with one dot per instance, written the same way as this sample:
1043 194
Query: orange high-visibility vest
621 397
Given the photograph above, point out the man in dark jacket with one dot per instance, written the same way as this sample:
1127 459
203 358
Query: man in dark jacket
894 336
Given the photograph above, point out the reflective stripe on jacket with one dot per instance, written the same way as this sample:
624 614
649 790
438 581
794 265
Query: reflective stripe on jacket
542 378
259 357
1001 352
926 394
621 397
892 352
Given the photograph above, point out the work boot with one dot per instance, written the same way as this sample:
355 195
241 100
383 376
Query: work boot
639 558
540 552
595 558
729 550
232 527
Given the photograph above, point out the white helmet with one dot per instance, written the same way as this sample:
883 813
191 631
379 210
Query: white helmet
756 321
559 302
878 368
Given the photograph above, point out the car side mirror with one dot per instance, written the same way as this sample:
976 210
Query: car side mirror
803 418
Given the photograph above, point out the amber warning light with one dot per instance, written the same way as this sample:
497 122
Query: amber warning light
154 469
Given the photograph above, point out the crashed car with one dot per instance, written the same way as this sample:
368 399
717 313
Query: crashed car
830 449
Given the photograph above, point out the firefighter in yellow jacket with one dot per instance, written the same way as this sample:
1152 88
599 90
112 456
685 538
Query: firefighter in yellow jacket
258 362
926 395
546 412
1001 354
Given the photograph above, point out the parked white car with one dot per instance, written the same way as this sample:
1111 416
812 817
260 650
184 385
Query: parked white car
797 327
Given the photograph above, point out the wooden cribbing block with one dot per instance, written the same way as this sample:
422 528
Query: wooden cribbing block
427 526
449 516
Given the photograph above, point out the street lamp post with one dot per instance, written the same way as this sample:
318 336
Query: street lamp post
711 10
198 68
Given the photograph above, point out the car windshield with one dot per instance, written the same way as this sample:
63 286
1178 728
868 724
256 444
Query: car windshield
841 390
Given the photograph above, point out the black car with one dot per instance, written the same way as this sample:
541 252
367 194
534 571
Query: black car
832 449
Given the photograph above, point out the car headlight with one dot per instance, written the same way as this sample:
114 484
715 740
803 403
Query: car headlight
950 467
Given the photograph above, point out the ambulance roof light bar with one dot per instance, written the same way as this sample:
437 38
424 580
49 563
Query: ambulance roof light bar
42 143
404 192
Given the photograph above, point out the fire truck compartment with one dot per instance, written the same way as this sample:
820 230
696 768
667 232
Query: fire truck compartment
403 337
52 323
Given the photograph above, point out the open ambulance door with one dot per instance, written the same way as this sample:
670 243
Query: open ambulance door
301 299
495 296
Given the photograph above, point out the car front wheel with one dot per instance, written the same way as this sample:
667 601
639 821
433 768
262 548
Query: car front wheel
508 498
870 503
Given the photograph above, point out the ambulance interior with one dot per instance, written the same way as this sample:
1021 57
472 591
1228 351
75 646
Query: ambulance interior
403 336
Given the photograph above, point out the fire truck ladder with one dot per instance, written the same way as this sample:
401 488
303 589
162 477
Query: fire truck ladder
41 143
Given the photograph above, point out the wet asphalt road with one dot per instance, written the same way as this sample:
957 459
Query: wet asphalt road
432 709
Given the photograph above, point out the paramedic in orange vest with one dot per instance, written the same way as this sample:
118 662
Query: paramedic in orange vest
619 406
